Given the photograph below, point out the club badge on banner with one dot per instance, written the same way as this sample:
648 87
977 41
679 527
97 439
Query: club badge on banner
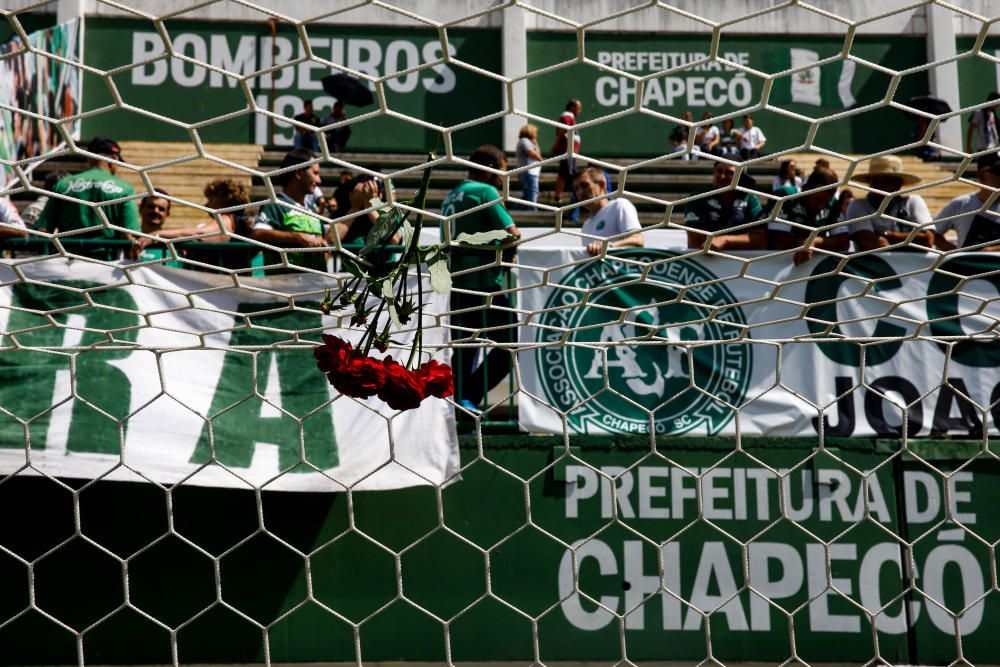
164 372
712 334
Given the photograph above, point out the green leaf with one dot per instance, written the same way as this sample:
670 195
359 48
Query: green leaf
383 229
440 276
482 238
353 269
387 290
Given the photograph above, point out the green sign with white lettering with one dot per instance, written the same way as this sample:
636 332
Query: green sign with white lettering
223 104
681 78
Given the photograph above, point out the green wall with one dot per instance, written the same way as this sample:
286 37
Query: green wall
977 76
443 567
713 88
187 93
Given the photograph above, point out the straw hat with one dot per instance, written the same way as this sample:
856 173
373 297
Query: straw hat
887 165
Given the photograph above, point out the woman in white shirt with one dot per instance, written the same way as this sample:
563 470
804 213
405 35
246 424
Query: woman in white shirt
528 153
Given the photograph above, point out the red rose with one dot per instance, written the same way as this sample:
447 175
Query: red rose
333 354
360 378
437 379
402 390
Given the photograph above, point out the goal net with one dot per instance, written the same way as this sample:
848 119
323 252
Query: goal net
529 333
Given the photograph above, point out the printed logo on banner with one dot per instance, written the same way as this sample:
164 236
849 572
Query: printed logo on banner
682 369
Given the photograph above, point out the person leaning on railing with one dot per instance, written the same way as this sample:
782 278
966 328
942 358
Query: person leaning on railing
608 217
220 194
965 214
289 222
726 210
96 185
798 217
902 214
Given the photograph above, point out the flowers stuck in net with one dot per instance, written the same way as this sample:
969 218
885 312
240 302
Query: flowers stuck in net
383 300
353 373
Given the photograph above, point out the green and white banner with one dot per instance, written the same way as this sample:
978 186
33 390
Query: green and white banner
713 336
31 82
157 373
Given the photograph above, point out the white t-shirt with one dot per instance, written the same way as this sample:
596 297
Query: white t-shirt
9 214
912 208
524 146
796 183
967 207
707 135
618 216
751 138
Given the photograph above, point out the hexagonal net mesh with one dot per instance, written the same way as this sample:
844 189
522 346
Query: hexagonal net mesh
725 381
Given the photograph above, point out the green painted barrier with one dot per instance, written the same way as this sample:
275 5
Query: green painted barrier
412 568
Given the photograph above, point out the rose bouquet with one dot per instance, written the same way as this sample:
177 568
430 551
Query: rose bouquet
377 289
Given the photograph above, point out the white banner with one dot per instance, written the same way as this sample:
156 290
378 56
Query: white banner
686 375
175 376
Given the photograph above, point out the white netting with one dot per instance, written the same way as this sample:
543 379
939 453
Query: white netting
717 422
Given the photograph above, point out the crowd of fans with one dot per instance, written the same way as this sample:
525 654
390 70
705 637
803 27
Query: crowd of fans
733 214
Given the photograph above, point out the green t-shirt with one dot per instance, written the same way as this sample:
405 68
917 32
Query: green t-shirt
468 195
281 218
713 214
96 186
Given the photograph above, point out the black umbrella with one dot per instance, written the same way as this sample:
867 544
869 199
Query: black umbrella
348 89
932 105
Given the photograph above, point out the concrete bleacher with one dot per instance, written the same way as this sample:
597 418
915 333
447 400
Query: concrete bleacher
183 173
653 187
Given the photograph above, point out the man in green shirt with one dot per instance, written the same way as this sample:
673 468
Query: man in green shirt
725 214
94 189
817 209
290 222
471 317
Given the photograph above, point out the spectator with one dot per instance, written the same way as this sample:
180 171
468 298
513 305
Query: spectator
723 211
341 202
788 181
288 222
610 218
11 224
154 210
567 166
33 211
304 137
707 137
336 139
967 214
317 201
844 200
894 226
528 153
798 219
729 139
983 127
752 139
478 270
96 185
220 194
360 191
679 137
